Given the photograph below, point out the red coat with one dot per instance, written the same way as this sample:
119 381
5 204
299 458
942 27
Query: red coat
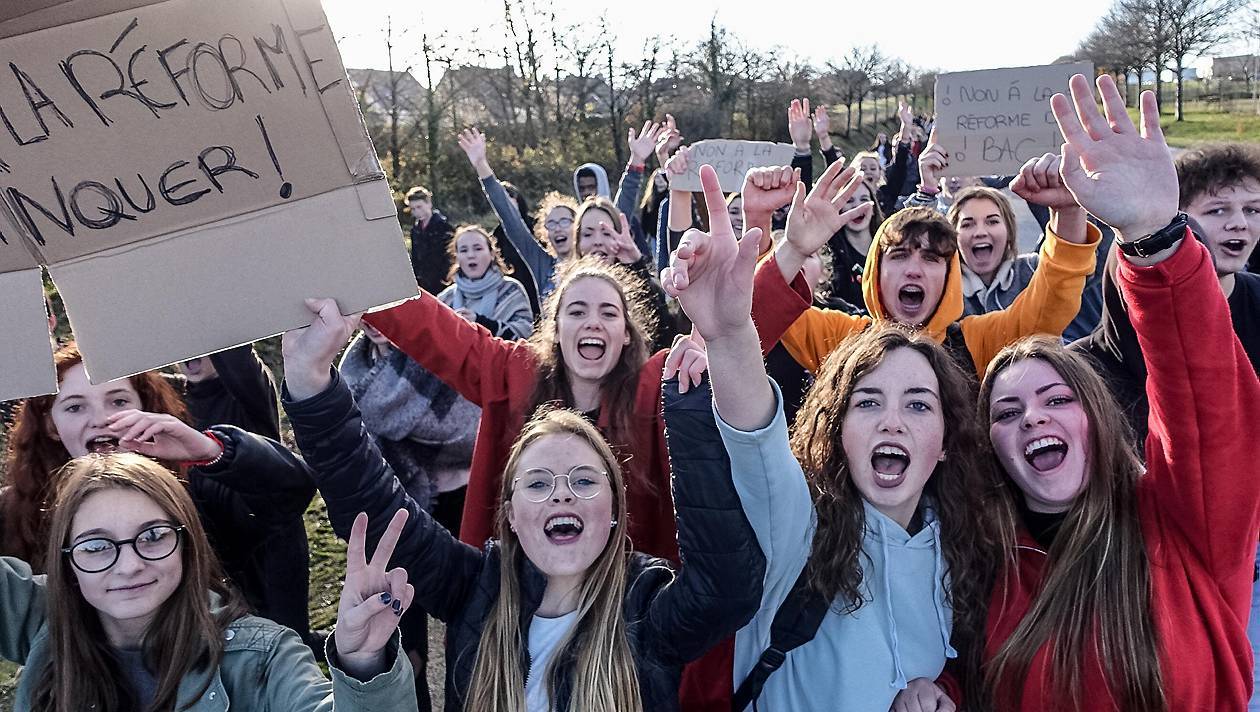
1199 501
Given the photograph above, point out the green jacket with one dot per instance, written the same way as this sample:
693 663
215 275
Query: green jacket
265 667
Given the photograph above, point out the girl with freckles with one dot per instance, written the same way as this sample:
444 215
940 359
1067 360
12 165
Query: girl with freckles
1123 587
555 612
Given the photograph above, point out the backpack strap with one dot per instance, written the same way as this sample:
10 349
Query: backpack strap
795 624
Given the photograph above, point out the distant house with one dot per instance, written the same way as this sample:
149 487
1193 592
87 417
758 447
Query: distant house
379 90
1148 77
1242 67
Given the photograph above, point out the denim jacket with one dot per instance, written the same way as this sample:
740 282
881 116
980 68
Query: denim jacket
265 666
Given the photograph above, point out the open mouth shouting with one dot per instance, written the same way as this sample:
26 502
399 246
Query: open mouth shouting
982 251
102 444
1045 454
890 463
563 528
911 299
591 348
1236 247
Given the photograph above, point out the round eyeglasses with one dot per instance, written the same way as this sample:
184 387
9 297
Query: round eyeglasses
560 224
92 556
538 484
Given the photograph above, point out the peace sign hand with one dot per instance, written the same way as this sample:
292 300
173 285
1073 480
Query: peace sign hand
711 272
1123 177
372 599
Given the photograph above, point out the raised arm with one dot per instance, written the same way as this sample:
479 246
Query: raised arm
249 381
351 473
799 128
712 277
1203 393
540 262
641 144
466 357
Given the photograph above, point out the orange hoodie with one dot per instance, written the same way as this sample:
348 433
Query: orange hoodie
1046 306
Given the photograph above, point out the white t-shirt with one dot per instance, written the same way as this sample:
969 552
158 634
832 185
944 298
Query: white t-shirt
545 635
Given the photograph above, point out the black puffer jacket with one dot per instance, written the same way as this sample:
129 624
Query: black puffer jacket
672 618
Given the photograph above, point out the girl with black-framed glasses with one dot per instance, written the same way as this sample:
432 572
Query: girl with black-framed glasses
134 614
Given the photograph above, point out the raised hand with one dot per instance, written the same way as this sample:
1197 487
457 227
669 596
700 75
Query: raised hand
372 599
643 142
711 272
473 142
766 190
677 163
669 140
309 351
1039 182
932 162
1123 177
161 436
622 240
799 124
822 127
687 358
907 119
922 695
815 217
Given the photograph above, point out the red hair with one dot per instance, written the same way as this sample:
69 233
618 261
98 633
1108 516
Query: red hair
35 456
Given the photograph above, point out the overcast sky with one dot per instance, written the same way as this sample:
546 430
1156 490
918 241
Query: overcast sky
979 34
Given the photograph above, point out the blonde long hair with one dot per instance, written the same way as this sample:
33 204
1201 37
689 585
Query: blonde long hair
596 646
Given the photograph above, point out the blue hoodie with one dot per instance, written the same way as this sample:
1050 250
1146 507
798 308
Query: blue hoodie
859 660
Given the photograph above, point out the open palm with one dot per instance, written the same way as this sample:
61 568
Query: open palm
1123 177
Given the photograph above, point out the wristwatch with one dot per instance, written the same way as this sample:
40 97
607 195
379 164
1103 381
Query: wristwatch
1157 241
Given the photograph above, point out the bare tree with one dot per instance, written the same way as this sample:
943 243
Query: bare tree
865 63
1194 26
717 60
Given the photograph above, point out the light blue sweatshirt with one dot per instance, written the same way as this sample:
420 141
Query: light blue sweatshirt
857 661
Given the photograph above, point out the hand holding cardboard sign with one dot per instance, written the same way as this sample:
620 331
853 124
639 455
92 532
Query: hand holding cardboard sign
309 351
161 436
1123 177
932 161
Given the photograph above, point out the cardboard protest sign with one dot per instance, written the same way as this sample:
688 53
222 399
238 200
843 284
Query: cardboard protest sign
993 120
732 159
187 172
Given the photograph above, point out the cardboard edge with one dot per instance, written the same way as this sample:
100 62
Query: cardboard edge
26 362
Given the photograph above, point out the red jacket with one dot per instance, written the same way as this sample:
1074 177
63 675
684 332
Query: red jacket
1199 501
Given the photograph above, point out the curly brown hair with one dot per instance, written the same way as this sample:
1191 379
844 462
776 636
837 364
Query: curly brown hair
35 456
957 490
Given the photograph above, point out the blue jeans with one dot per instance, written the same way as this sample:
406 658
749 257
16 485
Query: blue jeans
1253 634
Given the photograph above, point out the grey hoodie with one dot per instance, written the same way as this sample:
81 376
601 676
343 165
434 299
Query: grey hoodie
601 180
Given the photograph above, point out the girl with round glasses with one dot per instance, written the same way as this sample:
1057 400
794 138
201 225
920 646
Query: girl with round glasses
134 614
555 612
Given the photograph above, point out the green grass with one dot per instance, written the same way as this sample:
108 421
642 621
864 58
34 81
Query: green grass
1202 126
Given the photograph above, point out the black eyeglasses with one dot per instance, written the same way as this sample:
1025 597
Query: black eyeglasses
92 556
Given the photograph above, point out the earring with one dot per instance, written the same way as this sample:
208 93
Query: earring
614 524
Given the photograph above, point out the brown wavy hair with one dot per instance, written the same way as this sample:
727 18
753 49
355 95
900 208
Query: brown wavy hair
35 456
620 385
185 635
1096 591
957 490
452 250
595 202
603 669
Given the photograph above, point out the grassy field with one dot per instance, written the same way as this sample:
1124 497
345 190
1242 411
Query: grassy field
1201 126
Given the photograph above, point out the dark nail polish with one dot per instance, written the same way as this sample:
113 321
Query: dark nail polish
397 605
386 598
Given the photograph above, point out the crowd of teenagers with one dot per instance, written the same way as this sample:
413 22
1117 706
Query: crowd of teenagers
663 451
